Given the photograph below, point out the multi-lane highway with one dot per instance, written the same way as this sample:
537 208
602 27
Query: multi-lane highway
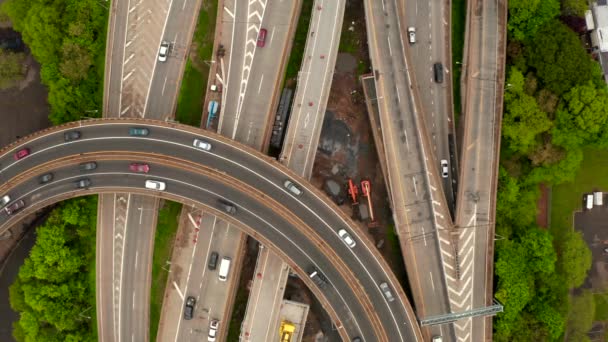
190 275
137 84
252 182
314 83
419 207
431 20
254 70
483 80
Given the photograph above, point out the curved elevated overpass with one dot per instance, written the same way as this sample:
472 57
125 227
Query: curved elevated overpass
303 229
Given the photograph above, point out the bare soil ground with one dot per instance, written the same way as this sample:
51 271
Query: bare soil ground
542 216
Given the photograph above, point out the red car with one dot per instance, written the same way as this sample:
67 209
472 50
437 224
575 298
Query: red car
136 167
22 153
262 38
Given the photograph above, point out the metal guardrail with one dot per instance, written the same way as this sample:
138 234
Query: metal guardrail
451 317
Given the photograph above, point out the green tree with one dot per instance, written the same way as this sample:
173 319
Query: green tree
574 259
558 57
11 68
52 288
527 16
582 117
574 7
523 120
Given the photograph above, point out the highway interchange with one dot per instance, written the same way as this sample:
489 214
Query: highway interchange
138 86
262 176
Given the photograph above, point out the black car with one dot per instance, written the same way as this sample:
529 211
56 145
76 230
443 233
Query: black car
83 183
71 135
189 308
228 207
213 261
88 166
45 178
438 72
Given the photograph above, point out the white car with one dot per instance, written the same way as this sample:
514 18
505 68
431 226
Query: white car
4 201
289 185
203 145
348 240
411 34
163 52
214 325
155 185
445 170
387 292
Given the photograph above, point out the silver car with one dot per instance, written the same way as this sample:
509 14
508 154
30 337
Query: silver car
163 52
294 189
201 144
348 240
4 201
387 292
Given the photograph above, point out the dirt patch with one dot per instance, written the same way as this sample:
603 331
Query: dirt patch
24 109
542 215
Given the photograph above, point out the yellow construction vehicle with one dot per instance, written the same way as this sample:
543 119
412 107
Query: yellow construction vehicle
286 331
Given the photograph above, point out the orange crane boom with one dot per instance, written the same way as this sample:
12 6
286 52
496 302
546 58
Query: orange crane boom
353 191
366 189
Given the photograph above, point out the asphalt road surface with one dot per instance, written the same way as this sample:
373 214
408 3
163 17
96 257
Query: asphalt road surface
246 166
137 85
431 20
314 84
253 73
484 79
190 276
419 211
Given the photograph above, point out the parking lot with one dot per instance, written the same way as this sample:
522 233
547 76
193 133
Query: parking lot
593 223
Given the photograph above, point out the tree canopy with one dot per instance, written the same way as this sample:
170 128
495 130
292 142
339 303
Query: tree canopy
67 38
558 57
527 16
53 288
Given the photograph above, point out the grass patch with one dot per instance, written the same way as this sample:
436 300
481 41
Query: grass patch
168 218
396 257
240 304
601 306
459 9
567 197
349 40
92 266
194 84
299 41
190 101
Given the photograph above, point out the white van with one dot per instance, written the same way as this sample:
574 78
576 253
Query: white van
598 198
589 201
224 268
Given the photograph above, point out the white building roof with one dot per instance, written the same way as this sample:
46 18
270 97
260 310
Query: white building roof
600 14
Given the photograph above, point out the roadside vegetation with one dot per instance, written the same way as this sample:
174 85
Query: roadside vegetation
53 293
196 74
299 41
166 228
555 115
67 38
11 68
459 12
